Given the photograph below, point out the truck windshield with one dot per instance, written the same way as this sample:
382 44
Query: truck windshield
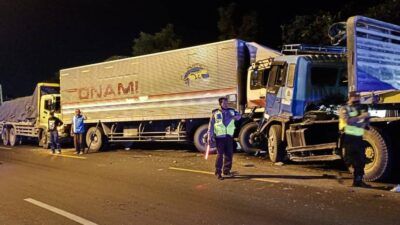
328 85
259 79
324 76
47 90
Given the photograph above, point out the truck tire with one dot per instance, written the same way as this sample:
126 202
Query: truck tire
378 154
275 145
5 136
97 139
200 139
44 140
246 141
13 138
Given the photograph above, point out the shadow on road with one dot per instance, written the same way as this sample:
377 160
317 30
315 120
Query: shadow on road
300 177
339 179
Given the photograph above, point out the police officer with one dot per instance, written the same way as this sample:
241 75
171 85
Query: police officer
221 128
353 122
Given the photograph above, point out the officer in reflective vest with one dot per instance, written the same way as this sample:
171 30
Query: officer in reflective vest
352 123
221 129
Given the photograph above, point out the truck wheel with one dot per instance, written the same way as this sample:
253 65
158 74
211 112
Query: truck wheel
275 146
44 140
95 138
247 141
13 138
378 158
5 136
200 139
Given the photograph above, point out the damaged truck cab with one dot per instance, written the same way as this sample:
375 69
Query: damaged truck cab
305 91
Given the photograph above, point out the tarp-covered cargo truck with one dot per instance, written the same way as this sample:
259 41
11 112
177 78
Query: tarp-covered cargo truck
306 89
166 96
26 117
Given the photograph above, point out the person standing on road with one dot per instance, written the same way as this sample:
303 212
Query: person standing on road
221 128
353 122
53 124
77 130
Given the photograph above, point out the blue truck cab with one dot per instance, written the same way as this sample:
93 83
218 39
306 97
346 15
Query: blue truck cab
308 84
299 83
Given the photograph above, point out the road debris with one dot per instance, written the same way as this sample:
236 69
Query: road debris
396 189
248 165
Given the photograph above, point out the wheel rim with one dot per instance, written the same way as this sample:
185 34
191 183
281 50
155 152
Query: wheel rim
94 138
44 139
4 137
253 139
12 137
271 146
203 138
370 156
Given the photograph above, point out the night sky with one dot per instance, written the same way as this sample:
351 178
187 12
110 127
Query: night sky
40 37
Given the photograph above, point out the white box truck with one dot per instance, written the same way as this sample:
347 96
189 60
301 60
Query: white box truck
166 96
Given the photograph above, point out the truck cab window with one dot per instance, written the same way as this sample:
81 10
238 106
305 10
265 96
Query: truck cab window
277 76
259 79
47 105
281 76
292 68
57 105
328 86
324 76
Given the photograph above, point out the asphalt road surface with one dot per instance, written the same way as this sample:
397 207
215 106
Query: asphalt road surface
178 187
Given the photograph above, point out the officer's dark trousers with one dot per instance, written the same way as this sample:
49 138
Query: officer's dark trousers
78 142
224 154
355 153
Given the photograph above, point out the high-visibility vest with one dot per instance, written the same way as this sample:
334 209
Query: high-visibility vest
350 129
219 128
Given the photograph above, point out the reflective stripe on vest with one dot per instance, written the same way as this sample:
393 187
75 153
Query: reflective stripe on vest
219 128
352 130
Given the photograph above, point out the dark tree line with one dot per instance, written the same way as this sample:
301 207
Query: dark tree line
313 29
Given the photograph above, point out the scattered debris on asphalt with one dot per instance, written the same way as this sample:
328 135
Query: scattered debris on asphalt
279 164
248 165
396 189
379 195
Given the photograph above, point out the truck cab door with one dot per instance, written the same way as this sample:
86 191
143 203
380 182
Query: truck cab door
256 87
275 87
46 104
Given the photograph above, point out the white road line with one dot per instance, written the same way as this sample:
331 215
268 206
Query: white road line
60 212
5 148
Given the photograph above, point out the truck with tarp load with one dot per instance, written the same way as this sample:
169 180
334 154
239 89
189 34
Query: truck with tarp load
166 96
307 85
27 117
